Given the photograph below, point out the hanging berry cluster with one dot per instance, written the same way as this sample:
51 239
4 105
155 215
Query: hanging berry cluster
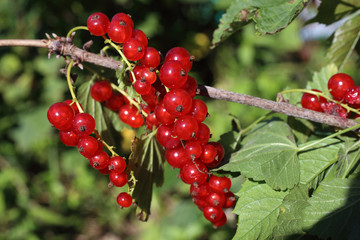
166 105
346 97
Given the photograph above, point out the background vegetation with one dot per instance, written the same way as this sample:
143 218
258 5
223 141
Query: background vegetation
48 191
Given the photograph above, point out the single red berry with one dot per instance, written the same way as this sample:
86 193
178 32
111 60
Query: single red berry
151 121
213 214
142 87
193 149
163 116
201 203
209 154
68 137
172 74
334 109
312 102
88 146
83 124
220 155
219 222
119 31
118 179
147 74
199 110
165 138
73 105
216 199
136 71
60 115
131 116
176 157
338 84
194 171
177 102
190 86
117 164
100 160
352 95
230 200
98 23
181 55
124 200
203 135
151 58
219 184
140 35
133 49
125 18
101 91
115 101
199 190
151 98
186 127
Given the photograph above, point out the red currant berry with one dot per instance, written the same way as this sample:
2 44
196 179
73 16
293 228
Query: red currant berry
176 157
125 18
151 99
98 23
115 101
117 164
199 110
101 91
163 116
88 146
209 154
186 127
172 74
201 203
230 200
140 35
147 74
312 102
190 86
216 199
177 102
73 105
100 160
131 116
181 55
165 138
338 84
352 95
194 171
203 134
133 49
151 121
136 71
118 179
193 149
219 184
83 124
142 87
124 200
220 155
60 115
68 137
119 31
199 190
213 214
151 58
220 222
334 109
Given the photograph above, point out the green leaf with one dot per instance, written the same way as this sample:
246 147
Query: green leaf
291 214
107 121
345 40
269 153
270 17
147 163
349 156
316 160
334 210
301 128
258 208
320 79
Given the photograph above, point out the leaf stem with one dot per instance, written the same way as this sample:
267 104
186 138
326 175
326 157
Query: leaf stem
75 29
71 87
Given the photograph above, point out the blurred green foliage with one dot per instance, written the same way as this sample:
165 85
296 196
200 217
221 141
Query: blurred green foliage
49 191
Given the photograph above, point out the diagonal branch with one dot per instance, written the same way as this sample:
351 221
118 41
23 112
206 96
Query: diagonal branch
64 48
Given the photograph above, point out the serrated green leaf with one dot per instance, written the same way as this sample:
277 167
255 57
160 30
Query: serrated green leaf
321 78
302 128
269 16
291 214
107 121
334 210
349 156
270 154
316 160
258 208
345 40
147 162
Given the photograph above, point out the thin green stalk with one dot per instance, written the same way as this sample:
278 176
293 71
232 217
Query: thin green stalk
75 29
71 87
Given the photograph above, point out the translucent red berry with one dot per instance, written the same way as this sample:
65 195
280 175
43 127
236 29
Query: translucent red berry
199 110
166 138
216 199
163 116
140 35
117 164
125 18
133 49
173 74
312 102
220 155
194 171
118 179
115 101
142 87
73 105
190 86
199 190
88 146
219 184
124 200
83 124
193 148
181 55
151 58
130 115
230 200
100 160
186 127
176 157
68 137
101 91
220 222
60 115
338 84
177 102
98 23
119 31
203 134
209 154
213 214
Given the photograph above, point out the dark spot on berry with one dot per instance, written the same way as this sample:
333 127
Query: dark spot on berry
179 108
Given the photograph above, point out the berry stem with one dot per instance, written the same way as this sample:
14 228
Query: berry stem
110 148
75 29
71 87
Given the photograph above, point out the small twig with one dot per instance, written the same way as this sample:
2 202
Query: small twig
60 47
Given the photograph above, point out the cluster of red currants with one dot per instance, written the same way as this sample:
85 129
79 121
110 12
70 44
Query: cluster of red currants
343 90
75 129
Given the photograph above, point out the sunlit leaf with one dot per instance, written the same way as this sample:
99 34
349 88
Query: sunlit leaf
334 210
321 78
147 163
258 207
349 156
